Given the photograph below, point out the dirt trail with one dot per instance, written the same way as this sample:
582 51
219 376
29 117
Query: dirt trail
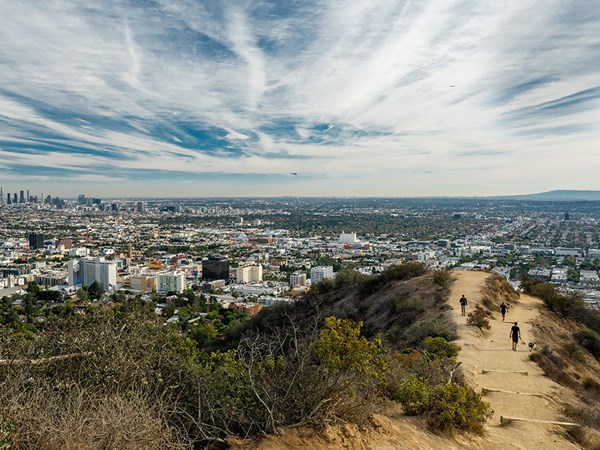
491 350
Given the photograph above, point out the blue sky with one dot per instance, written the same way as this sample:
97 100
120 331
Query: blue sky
386 98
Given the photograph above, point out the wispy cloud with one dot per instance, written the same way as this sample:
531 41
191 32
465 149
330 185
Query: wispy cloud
411 97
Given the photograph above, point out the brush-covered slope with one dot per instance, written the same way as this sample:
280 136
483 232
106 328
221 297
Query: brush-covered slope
404 304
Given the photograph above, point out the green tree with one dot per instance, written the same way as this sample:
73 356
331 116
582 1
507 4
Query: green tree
572 275
95 291
82 295
33 287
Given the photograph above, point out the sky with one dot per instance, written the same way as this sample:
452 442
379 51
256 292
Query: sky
299 97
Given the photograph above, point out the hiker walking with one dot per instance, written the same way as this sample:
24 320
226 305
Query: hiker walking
503 310
463 305
515 334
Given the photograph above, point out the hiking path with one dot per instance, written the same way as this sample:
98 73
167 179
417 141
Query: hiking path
531 396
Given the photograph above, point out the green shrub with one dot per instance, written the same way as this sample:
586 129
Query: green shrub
342 348
590 340
457 408
414 395
478 318
439 347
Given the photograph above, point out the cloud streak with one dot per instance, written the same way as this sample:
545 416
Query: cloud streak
410 97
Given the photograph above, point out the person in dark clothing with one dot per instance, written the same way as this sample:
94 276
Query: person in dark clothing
503 310
515 335
463 305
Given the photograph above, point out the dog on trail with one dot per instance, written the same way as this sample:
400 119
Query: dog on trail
531 345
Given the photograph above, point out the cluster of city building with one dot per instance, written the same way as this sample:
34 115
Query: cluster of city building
241 254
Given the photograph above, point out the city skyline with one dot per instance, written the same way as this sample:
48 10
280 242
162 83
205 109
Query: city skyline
401 99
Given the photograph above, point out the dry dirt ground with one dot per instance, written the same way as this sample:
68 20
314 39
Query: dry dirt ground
489 350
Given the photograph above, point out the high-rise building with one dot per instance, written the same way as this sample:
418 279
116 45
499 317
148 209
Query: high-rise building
27 199
298 279
22 197
170 282
320 273
249 274
1 196
8 200
140 207
90 270
36 241
348 238
143 283
15 198
81 199
215 267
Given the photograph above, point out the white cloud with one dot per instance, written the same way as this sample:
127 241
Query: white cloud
238 87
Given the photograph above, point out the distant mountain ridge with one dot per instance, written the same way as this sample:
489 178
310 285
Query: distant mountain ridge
558 195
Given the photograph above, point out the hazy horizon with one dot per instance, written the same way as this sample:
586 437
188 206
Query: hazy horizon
177 98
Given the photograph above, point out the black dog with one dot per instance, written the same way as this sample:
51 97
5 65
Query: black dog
531 345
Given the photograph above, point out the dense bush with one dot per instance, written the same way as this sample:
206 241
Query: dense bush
134 383
424 388
455 408
438 347
414 395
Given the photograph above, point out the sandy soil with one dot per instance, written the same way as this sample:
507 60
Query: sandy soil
491 350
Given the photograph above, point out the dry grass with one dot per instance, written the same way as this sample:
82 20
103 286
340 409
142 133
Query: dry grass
47 418
497 290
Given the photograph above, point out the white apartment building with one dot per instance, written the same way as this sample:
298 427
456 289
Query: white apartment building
80 251
249 274
348 238
593 253
170 282
88 270
320 273
564 251
298 279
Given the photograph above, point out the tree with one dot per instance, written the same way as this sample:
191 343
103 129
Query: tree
82 295
49 296
33 287
95 291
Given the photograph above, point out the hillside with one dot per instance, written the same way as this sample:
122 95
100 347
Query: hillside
363 362
480 350
405 304
559 195
117 377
